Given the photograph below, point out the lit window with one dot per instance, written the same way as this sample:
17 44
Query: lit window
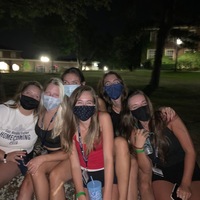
169 53
151 53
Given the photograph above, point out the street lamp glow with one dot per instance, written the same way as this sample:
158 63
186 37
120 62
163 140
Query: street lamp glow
4 66
44 59
179 41
105 68
15 67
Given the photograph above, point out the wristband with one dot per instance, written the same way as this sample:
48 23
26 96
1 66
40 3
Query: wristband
139 151
79 194
4 158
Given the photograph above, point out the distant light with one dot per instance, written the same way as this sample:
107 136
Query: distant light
4 66
179 41
44 59
105 68
95 64
15 67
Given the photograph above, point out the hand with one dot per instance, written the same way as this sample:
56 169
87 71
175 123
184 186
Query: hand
15 155
34 164
140 138
184 192
168 113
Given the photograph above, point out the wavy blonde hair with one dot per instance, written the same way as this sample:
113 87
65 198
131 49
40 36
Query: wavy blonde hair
59 117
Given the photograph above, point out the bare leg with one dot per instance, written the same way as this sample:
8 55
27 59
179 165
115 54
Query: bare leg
133 180
195 187
8 171
26 190
115 192
40 180
145 186
162 189
122 166
58 176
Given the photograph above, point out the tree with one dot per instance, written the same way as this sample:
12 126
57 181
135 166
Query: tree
26 12
165 15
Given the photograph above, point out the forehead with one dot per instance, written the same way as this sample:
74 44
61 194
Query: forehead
33 88
52 87
71 76
136 99
86 95
110 77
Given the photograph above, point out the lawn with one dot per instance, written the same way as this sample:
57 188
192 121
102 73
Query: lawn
179 90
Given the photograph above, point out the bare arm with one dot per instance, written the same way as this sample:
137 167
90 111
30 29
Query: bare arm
76 172
35 163
181 132
108 140
144 163
169 113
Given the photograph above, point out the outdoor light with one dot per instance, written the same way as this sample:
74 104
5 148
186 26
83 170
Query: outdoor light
4 67
95 64
178 42
44 59
15 67
105 68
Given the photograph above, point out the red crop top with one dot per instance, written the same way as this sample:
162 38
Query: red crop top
95 157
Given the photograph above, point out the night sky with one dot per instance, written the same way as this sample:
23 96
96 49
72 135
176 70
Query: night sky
19 39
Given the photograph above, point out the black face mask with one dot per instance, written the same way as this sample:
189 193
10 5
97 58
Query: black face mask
141 113
28 103
84 112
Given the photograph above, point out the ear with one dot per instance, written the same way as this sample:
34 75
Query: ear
83 83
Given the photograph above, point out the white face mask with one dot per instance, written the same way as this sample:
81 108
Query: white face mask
68 89
51 102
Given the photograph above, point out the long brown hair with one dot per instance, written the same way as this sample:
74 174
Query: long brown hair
71 121
103 94
22 87
157 125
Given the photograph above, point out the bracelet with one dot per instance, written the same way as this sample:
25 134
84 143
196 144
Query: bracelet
80 193
139 151
4 158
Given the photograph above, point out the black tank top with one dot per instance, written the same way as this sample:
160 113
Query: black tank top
46 139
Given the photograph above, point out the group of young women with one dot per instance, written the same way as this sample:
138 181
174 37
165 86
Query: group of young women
84 136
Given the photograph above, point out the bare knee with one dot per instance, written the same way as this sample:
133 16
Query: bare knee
54 177
26 189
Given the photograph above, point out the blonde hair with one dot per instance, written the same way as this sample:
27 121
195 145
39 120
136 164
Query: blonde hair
58 121
71 121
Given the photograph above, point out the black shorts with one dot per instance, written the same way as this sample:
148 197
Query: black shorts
22 163
98 175
174 173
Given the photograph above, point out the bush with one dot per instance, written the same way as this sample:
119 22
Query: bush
189 61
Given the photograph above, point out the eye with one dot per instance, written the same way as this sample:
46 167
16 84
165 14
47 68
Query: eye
65 82
116 82
75 83
107 84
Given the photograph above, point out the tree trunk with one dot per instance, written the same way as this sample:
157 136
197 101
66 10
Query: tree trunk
165 25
